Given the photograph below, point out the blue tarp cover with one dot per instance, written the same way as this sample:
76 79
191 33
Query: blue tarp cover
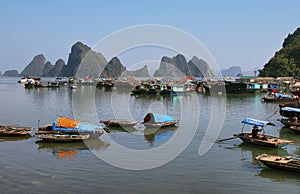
291 109
158 118
81 127
256 122
282 95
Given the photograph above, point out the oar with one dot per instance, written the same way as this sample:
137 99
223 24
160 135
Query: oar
235 136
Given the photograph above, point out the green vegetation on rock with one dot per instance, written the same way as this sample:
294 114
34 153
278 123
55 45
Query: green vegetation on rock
286 61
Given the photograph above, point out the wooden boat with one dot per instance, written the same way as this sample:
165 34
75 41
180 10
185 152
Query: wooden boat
53 84
263 140
69 130
285 112
174 90
286 163
289 122
118 123
14 131
260 139
279 98
295 129
146 89
158 120
68 137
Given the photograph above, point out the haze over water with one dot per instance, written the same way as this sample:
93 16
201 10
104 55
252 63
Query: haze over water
28 166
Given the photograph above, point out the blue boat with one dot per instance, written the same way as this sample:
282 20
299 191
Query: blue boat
292 115
280 98
69 130
158 120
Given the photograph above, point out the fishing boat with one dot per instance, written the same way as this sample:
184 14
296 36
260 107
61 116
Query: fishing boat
286 163
291 115
260 139
290 122
295 129
279 98
175 90
69 130
14 131
118 123
146 89
159 120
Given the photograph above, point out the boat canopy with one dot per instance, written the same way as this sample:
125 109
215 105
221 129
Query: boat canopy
290 109
279 95
157 118
256 122
66 124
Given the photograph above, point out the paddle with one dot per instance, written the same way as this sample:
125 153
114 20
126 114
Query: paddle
235 136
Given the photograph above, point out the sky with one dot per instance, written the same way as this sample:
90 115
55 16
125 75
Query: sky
235 32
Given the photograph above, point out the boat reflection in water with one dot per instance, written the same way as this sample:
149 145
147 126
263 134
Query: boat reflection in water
159 135
249 152
278 175
262 170
14 138
71 150
287 133
129 129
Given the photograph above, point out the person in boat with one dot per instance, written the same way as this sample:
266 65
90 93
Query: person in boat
295 119
274 91
255 131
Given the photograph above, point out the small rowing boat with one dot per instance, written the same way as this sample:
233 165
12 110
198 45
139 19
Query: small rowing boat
118 123
259 139
286 163
14 131
158 120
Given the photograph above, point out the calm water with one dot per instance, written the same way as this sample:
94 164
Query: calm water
29 166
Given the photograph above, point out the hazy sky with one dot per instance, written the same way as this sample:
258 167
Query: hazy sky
236 32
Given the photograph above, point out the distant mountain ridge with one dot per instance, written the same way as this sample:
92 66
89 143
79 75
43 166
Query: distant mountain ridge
179 67
11 73
233 71
84 62
35 67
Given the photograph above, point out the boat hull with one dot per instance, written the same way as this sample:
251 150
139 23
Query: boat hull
289 123
117 123
280 163
163 124
14 131
266 141
278 100
68 137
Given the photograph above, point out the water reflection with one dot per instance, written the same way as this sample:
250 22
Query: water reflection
287 133
263 171
14 138
159 135
71 150
278 175
259 150
123 129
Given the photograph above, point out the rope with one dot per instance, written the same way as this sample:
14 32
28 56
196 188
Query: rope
272 114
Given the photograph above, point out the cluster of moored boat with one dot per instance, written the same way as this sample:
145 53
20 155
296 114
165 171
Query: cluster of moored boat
69 130
35 82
